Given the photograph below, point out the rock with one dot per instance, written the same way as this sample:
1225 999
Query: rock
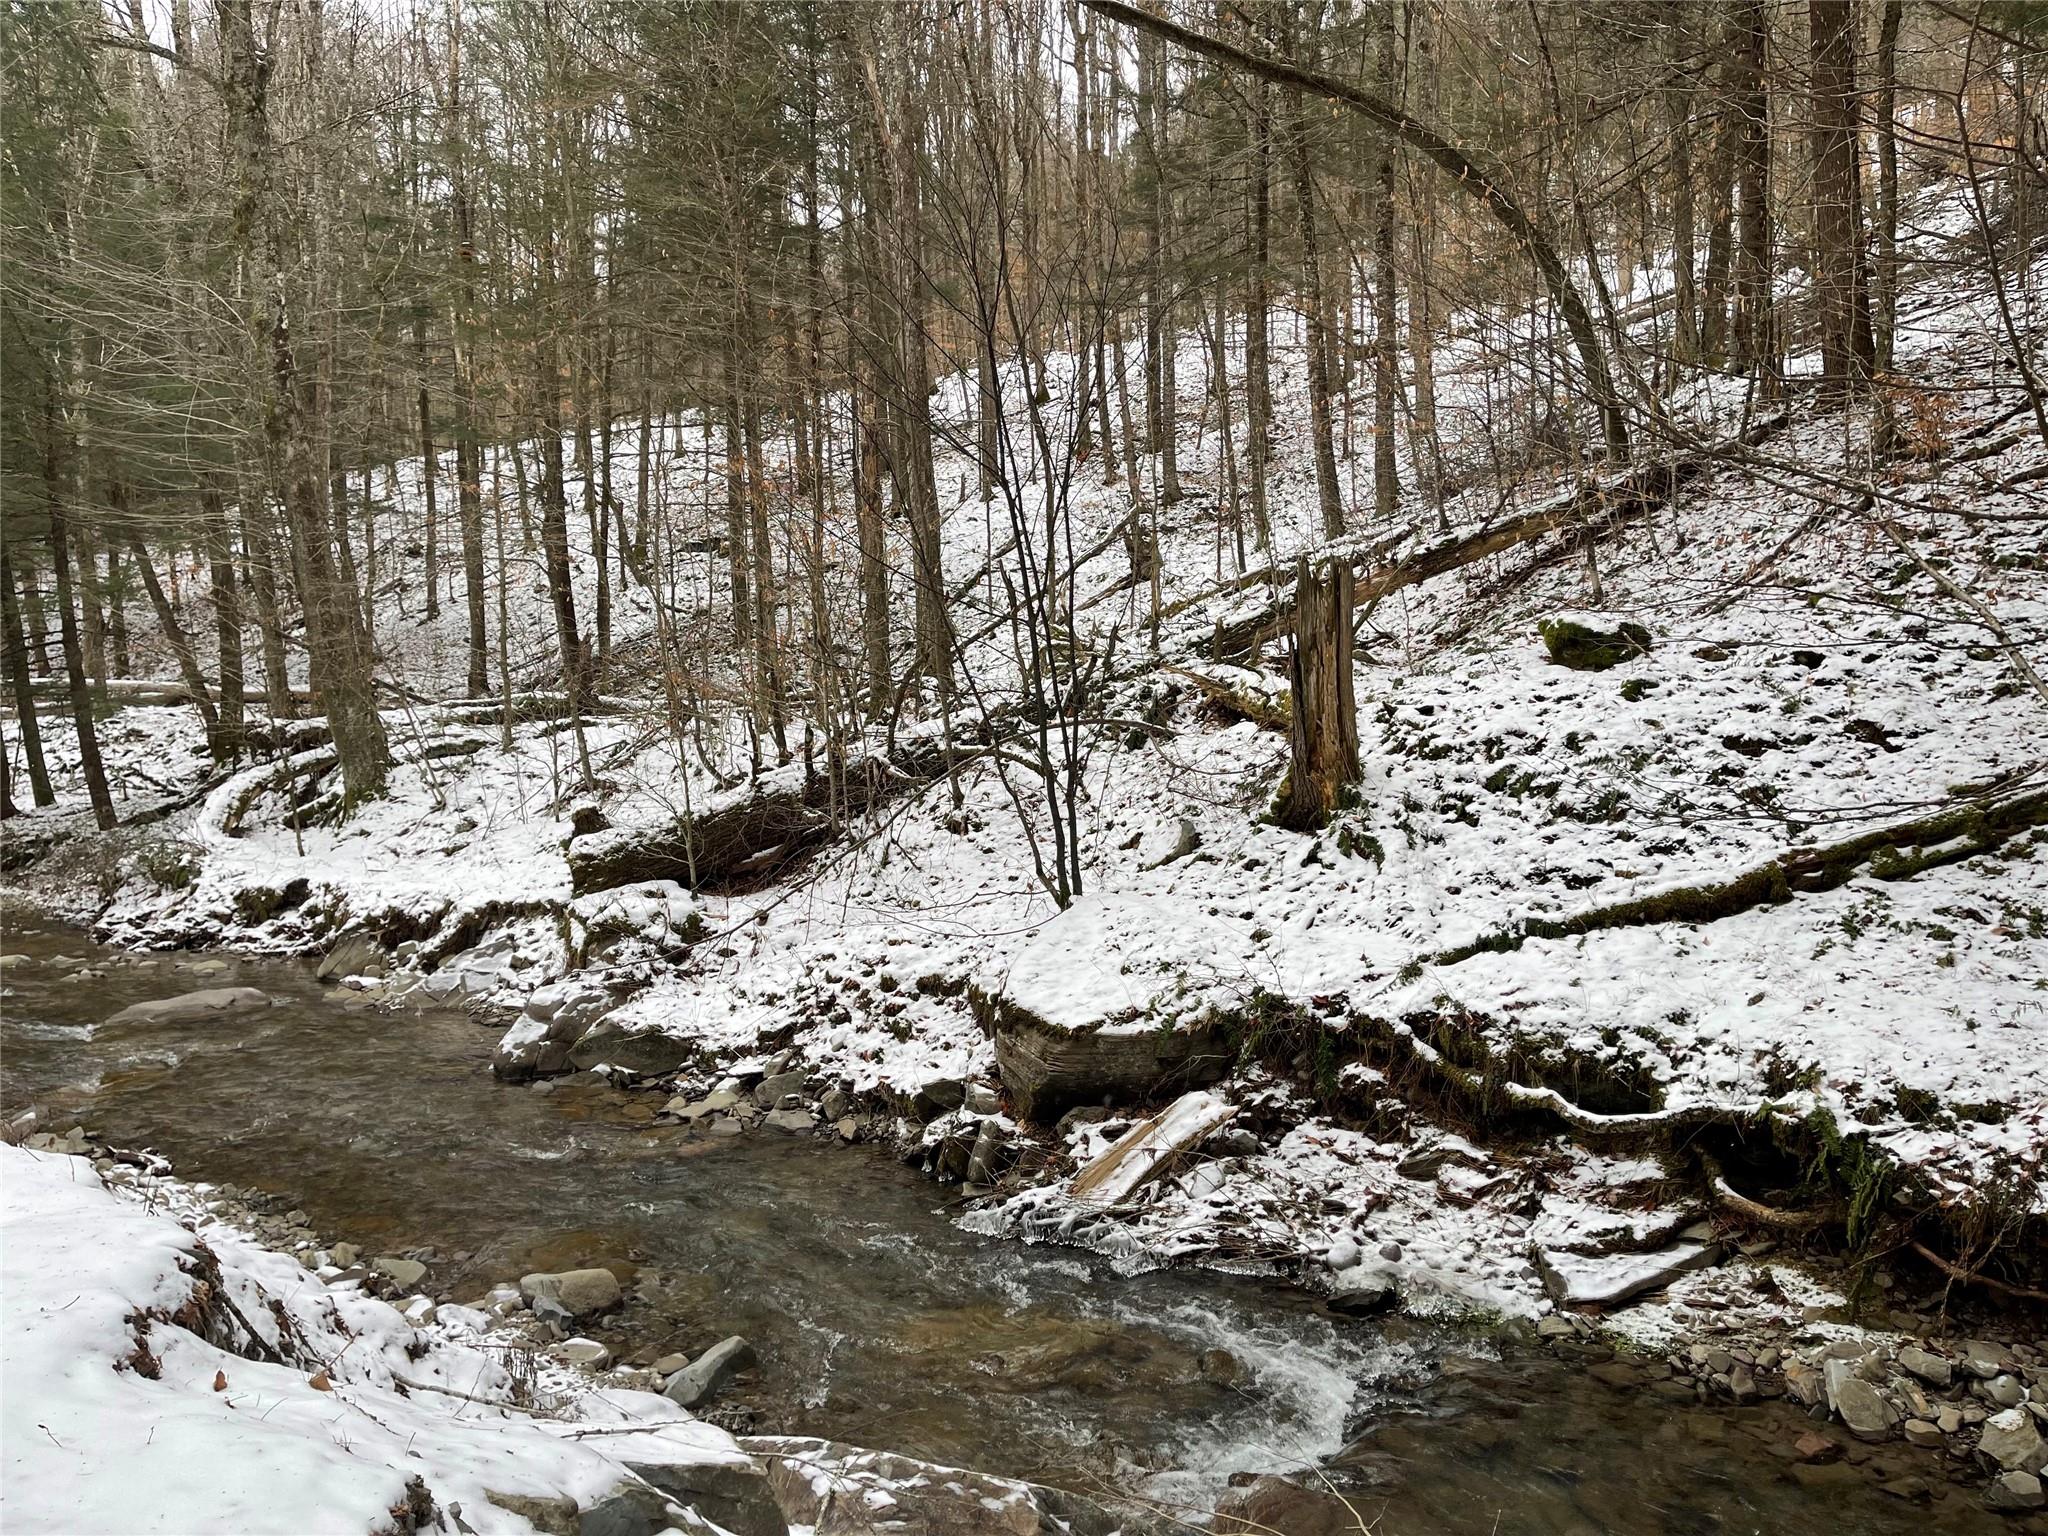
1606 1280
720 1482
837 1490
847 1127
709 1371
1235 1141
791 1120
404 1273
553 1020
191 1007
937 1097
1867 1415
1929 1367
769 1092
1983 1359
1585 649
1096 1006
980 1099
667 1365
1920 1432
354 954
1815 1447
1948 1421
1343 1254
419 1310
2005 1391
588 1353
641 1048
2014 1492
990 1155
1149 1148
630 1509
835 1104
1268 1504
551 1516
1362 1292
2012 1440
1742 1384
578 1292
1556 1327
1391 1252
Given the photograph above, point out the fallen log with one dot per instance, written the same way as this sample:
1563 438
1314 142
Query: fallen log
1599 506
1895 852
760 827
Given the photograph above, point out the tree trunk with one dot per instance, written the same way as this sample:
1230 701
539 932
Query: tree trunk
74 656
1258 377
22 684
227 625
181 649
1885 322
426 423
1840 288
1322 733
1320 429
1755 329
1386 373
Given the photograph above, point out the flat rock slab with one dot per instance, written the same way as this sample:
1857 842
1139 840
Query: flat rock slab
192 1007
1607 1280
1148 1149
709 1371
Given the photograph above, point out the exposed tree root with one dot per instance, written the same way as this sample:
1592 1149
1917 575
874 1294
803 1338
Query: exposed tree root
1977 1277
1759 1214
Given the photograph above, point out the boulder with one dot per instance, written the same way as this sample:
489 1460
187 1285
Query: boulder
644 1049
551 1515
1862 1408
1107 1002
354 954
554 1018
1268 1504
732 1489
192 1007
1149 1148
2012 1440
578 1292
1586 649
709 1371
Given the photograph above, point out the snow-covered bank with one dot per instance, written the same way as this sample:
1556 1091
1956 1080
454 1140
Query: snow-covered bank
166 1373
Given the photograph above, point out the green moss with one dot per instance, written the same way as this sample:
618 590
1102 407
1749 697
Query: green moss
1585 649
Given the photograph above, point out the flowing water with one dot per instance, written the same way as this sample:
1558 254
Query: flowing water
877 1320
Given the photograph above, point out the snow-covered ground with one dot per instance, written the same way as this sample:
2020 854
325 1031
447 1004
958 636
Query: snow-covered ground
1809 679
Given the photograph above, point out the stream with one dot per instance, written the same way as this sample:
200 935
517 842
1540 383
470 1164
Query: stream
878 1321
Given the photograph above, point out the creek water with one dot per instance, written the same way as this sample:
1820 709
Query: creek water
878 1321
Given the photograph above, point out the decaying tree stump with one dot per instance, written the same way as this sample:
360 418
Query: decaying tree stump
1323 728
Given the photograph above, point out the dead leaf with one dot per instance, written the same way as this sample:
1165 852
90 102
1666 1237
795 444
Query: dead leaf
320 1382
220 1381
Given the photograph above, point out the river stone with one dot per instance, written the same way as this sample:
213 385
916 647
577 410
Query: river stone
588 1353
1860 1406
792 1120
1929 1367
643 1049
2014 1492
2005 1391
768 1093
630 1509
709 1371
404 1273
554 1018
1921 1433
191 1007
2012 1440
1269 1504
354 954
579 1292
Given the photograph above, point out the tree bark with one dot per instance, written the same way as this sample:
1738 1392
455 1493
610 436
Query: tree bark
22 684
1322 729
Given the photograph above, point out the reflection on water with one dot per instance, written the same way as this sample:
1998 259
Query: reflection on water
878 1321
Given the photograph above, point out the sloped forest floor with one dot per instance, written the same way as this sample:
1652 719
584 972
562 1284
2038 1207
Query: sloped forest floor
1690 1004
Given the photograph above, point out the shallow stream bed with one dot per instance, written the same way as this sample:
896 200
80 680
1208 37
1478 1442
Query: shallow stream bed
877 1319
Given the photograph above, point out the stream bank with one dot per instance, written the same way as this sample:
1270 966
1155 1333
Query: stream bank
878 1319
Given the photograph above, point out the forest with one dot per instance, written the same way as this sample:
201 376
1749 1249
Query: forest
1273 765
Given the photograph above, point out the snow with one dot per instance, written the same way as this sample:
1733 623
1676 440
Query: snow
100 1437
1799 690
